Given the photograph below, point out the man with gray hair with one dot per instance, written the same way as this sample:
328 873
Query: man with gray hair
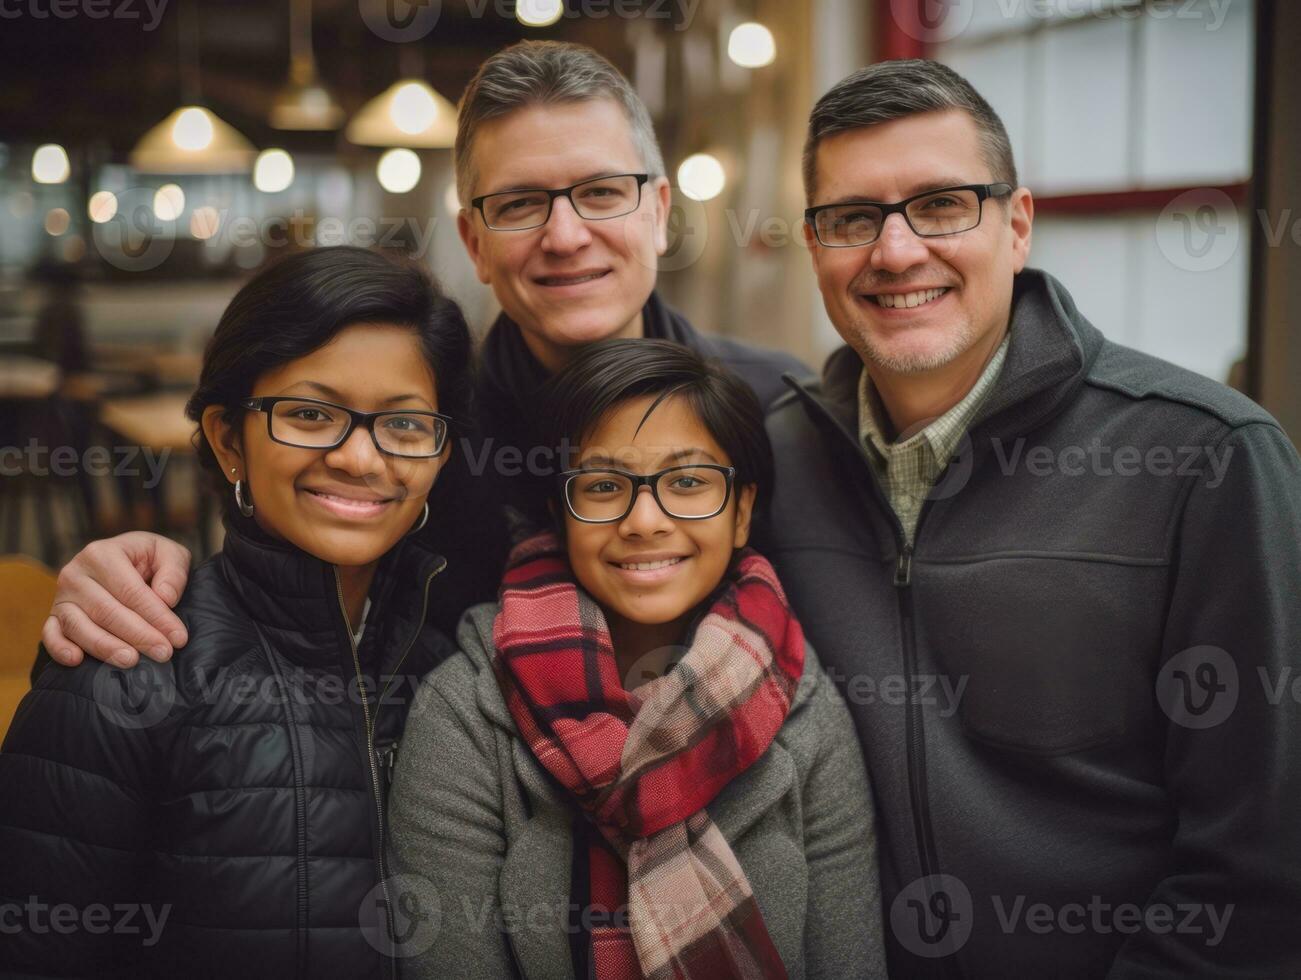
564 213
1056 579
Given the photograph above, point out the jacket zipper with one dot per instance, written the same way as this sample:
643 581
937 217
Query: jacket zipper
370 727
914 729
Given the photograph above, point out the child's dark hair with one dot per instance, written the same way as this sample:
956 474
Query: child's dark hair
301 303
611 372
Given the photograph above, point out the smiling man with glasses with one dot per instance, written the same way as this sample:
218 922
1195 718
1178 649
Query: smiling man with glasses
564 214
1057 659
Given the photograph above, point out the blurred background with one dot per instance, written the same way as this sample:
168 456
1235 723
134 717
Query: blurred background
155 153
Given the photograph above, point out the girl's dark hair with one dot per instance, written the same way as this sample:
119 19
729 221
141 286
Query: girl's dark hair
299 304
611 372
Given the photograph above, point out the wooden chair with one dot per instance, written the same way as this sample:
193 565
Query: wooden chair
26 594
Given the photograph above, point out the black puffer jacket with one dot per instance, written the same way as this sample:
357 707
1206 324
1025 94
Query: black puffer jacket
221 807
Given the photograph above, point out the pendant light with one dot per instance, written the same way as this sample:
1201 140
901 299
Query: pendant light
304 103
408 113
193 139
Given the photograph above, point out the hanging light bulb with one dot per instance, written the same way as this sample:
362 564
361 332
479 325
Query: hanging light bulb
408 113
50 164
398 171
273 171
751 45
192 129
538 13
701 177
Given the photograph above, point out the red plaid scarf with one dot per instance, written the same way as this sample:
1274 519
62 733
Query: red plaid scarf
643 764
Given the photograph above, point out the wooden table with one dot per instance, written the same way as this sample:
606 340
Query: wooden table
27 377
158 422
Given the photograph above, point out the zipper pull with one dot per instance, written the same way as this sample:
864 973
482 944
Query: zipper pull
903 569
388 757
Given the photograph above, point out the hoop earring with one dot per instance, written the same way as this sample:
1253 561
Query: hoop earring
424 519
245 507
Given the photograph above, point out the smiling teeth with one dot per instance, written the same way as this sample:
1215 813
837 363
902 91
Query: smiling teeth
647 566
562 281
900 300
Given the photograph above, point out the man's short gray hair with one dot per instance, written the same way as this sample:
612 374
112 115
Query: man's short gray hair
892 90
546 73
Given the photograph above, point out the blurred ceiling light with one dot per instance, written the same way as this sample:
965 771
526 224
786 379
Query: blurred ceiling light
192 140
398 171
414 107
304 103
192 129
169 202
538 13
701 177
204 222
751 45
57 221
50 164
408 113
273 171
102 207
451 200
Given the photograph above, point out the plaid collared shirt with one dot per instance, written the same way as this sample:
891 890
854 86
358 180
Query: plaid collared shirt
907 469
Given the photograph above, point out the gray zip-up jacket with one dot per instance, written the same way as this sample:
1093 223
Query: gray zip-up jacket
1078 692
482 833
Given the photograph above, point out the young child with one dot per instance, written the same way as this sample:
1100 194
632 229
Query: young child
635 766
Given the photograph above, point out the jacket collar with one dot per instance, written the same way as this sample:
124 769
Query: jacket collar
295 596
510 369
1049 354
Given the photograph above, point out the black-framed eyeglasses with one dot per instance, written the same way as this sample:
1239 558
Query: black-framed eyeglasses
946 211
692 492
595 200
309 423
